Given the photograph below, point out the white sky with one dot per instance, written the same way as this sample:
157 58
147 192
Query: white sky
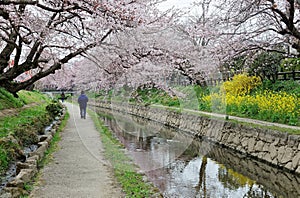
176 3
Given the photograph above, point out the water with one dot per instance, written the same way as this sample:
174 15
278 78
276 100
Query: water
10 174
181 166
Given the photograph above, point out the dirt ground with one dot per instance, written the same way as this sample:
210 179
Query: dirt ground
78 168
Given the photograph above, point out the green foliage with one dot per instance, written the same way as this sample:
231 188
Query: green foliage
290 64
290 86
54 108
104 94
26 117
244 96
266 65
19 131
236 64
26 134
154 95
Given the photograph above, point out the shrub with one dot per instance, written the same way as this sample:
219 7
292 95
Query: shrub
26 135
242 99
240 84
54 108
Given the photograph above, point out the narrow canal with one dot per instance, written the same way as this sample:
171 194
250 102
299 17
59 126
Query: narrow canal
181 166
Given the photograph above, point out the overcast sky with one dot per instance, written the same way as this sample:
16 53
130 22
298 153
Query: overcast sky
176 3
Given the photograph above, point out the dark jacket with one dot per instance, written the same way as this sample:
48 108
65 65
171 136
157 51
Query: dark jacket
82 100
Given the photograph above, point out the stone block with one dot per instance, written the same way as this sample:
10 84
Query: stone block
244 142
287 156
49 138
34 154
276 141
251 144
16 183
236 139
296 161
41 149
273 151
268 137
13 192
21 166
26 175
33 158
293 140
281 151
32 162
298 170
259 146
260 155
289 165
43 138
230 138
268 157
53 131
41 144
275 161
266 147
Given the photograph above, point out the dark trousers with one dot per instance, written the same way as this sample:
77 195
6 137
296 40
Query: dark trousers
83 111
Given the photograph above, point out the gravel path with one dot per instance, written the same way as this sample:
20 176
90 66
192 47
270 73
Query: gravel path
78 168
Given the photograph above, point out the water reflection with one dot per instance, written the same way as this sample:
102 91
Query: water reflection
183 167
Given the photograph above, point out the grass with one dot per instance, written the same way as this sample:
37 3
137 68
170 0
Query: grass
277 102
7 100
274 128
27 116
125 171
17 131
227 118
21 129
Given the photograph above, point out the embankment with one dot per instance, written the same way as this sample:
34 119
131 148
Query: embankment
273 147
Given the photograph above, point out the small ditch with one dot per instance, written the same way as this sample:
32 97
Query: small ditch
10 174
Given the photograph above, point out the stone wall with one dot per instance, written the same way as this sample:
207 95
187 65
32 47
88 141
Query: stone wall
274 147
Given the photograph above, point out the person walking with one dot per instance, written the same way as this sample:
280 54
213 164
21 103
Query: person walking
62 96
82 101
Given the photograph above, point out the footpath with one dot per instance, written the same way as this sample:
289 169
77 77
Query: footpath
240 119
78 168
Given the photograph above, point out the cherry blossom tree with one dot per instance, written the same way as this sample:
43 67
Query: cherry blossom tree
218 32
253 25
42 36
143 56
